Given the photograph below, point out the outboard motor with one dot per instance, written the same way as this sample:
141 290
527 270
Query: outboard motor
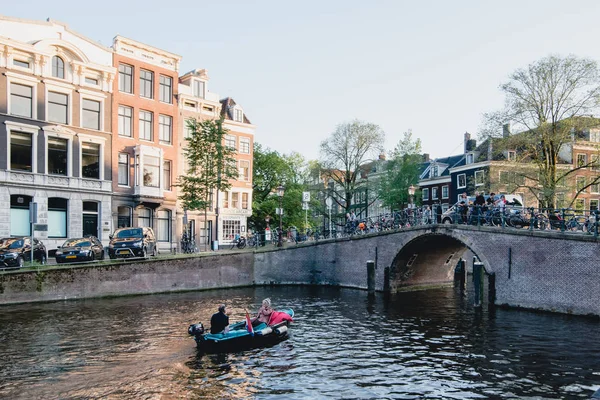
196 329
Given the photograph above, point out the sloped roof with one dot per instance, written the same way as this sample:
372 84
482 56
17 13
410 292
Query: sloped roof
227 106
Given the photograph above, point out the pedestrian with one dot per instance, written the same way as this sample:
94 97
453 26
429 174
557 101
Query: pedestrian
439 212
427 215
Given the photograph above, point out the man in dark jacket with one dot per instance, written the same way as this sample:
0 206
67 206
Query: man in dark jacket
219 322
479 207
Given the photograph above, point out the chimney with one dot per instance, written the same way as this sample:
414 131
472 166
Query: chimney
466 141
425 157
505 130
382 156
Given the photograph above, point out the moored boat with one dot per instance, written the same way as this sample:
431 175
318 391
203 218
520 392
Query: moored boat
239 337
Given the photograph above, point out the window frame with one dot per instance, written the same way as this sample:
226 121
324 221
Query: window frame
425 194
146 83
481 181
231 139
584 157
244 145
244 170
67 106
165 89
127 168
58 70
434 193
458 179
50 157
196 85
84 110
446 189
121 120
125 77
150 123
162 127
32 109
167 183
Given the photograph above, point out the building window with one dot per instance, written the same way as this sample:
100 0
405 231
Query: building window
461 181
125 78
123 173
199 89
595 188
58 107
580 205
231 229
594 163
151 171
245 170
125 120
512 155
479 178
581 160
57 156
21 150
580 183
146 83
434 171
445 192
57 217
90 160
123 217
21 100
20 63
163 226
225 199
58 67
90 114
434 193
145 217
166 89
167 175
19 215
91 81
470 158
188 128
235 200
593 205
146 125
595 135
239 115
425 192
165 128
245 145
230 141
245 201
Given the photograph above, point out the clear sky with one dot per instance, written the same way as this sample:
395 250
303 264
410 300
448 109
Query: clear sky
300 68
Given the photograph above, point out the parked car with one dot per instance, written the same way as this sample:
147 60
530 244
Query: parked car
15 251
514 203
80 249
132 242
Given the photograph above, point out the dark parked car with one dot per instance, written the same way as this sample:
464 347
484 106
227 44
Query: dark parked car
80 249
132 242
16 250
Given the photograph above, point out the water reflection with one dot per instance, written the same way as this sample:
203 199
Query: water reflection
343 344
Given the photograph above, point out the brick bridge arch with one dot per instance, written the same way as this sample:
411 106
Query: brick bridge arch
542 270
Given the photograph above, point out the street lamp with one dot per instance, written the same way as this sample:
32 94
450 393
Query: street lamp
280 190
411 193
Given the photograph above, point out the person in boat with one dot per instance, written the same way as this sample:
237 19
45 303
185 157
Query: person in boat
219 322
264 313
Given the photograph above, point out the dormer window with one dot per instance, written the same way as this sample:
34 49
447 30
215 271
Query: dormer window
512 155
434 171
470 158
58 67
238 115
199 88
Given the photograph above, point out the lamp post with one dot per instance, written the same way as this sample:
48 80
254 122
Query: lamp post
411 193
280 191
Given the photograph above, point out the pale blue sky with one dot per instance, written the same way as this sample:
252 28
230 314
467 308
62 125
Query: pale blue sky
301 68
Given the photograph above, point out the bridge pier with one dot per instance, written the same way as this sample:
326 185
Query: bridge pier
478 282
371 277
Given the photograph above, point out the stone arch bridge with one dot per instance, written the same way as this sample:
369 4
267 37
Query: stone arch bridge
539 270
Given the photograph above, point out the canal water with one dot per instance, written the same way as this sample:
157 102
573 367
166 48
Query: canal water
344 345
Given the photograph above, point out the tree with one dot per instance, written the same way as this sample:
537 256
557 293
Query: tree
547 102
210 165
402 171
347 148
270 170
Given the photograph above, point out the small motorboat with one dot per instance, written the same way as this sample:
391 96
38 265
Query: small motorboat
239 337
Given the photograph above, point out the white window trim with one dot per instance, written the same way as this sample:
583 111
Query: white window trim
436 193
480 172
22 80
245 140
447 192
63 90
470 158
132 123
162 174
585 161
60 135
129 158
92 139
458 181
87 95
23 57
425 191
34 130
203 95
241 176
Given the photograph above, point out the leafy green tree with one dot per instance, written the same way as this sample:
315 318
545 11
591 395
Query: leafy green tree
270 170
210 164
402 170
342 154
547 102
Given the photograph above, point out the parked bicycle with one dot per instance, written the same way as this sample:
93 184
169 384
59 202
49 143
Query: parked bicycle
188 244
239 242
254 241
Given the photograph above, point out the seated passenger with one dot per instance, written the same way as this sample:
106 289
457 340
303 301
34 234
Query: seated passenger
219 322
264 313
